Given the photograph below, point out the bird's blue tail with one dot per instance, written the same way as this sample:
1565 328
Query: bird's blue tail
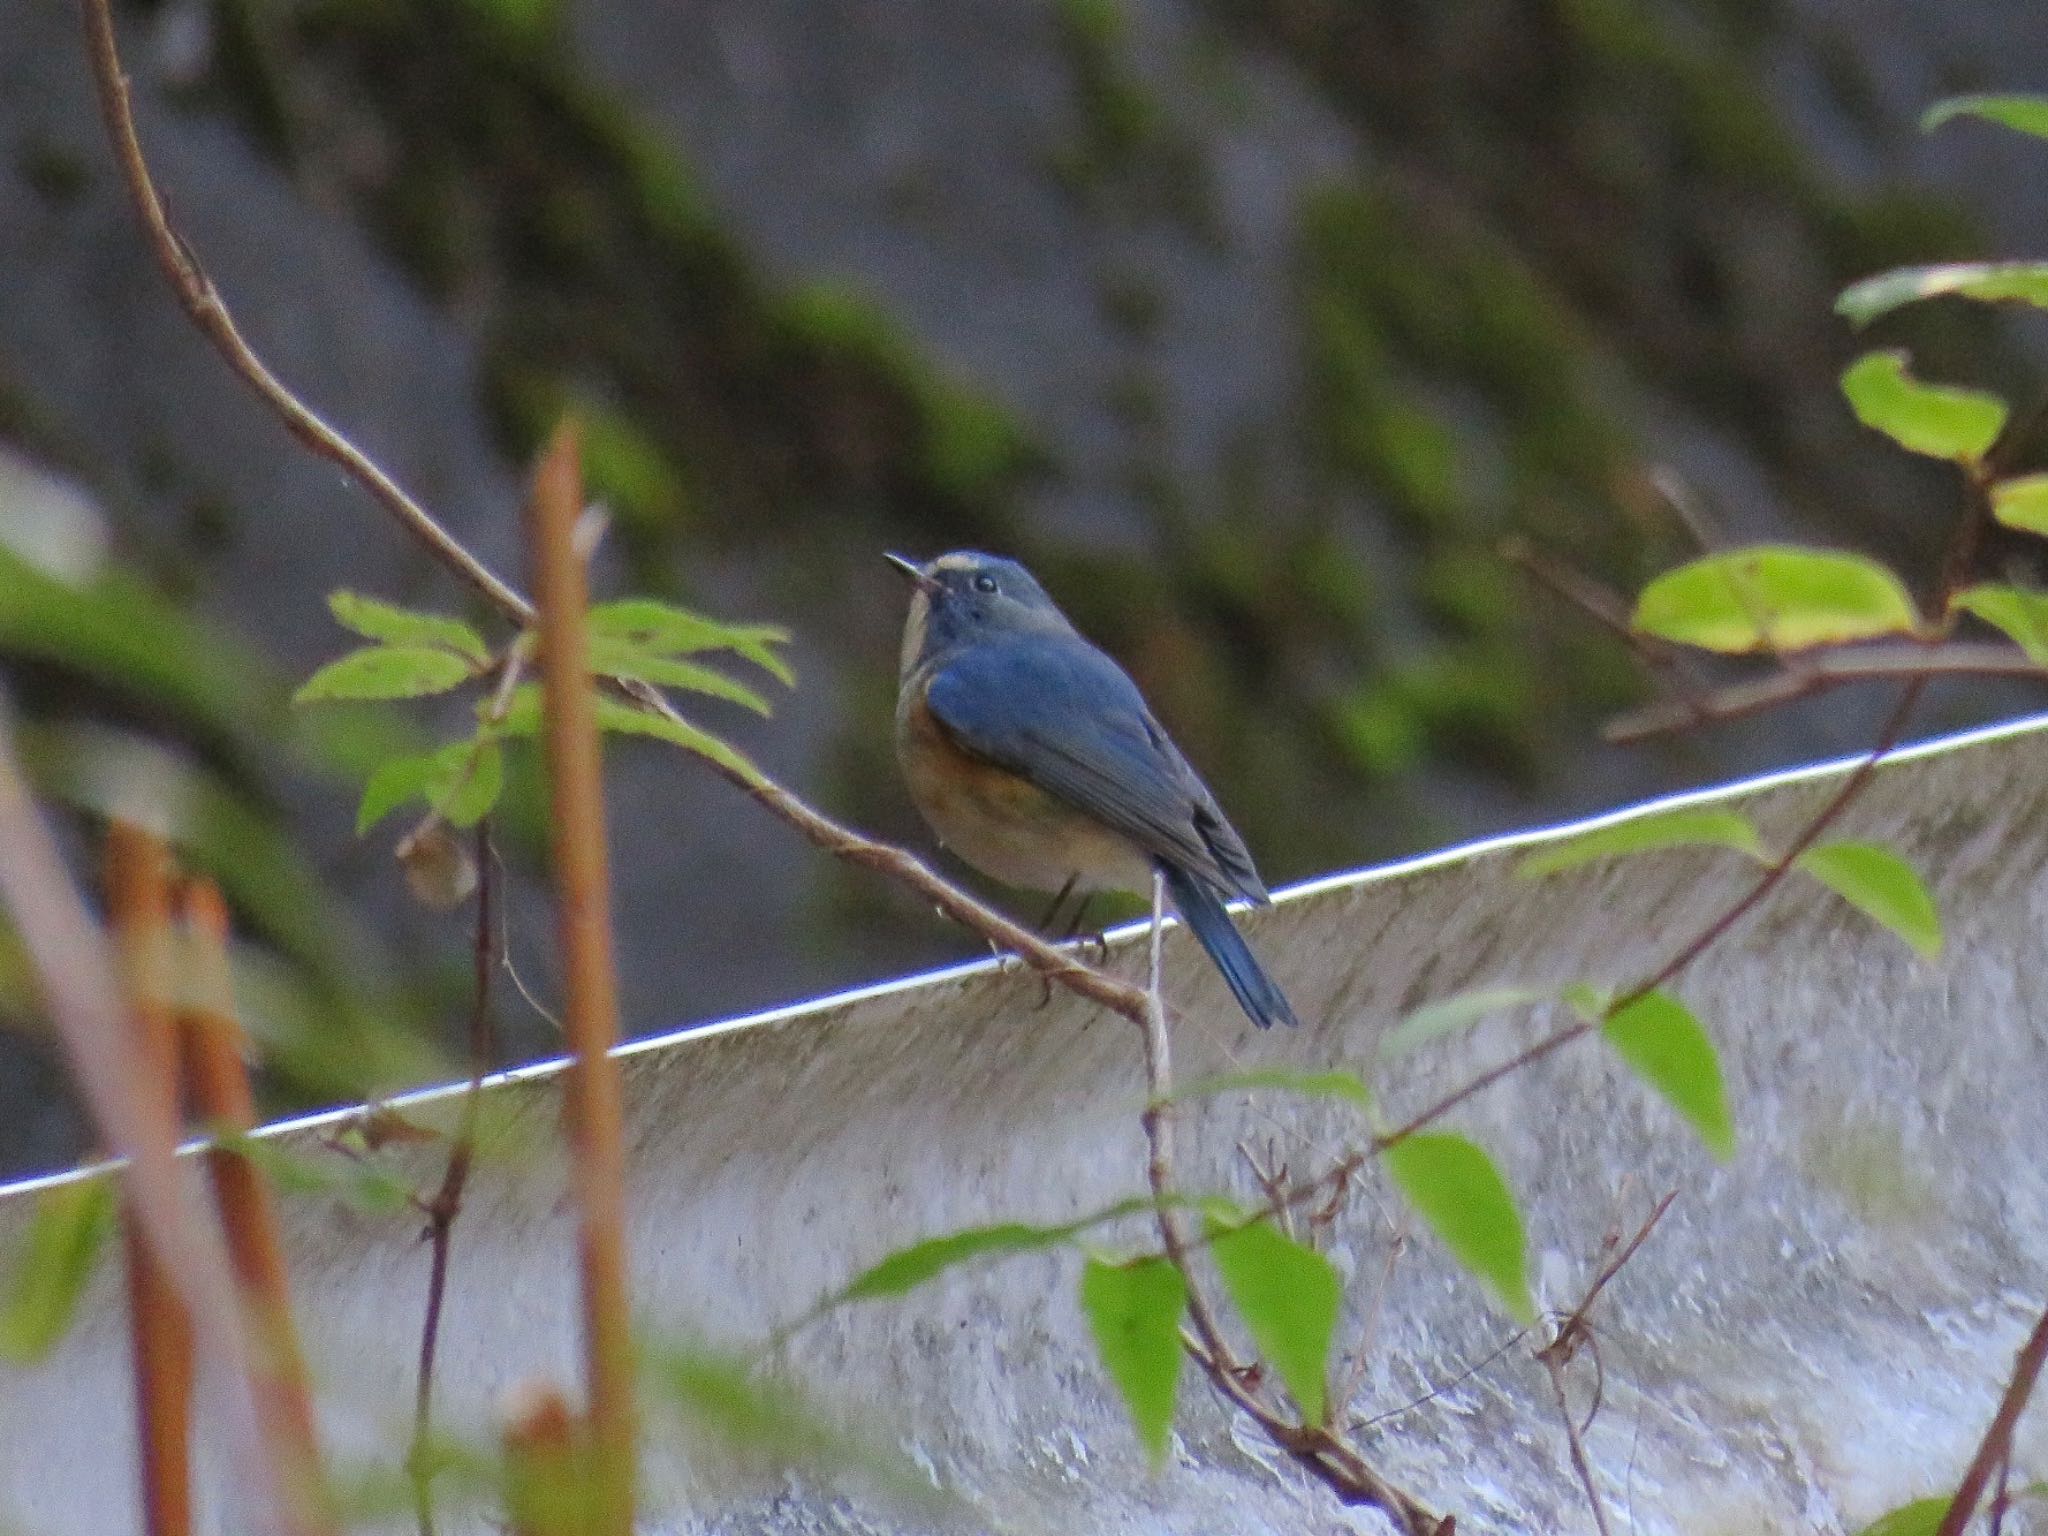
1211 925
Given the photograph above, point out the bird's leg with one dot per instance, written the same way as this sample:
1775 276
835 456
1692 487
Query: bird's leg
1045 923
1045 927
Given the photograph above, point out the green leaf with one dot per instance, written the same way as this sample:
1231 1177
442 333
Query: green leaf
908 1268
1455 1187
1881 885
1775 597
375 620
1686 827
391 784
475 782
1134 1312
363 1185
619 658
1460 1011
387 672
1659 1037
1935 419
1328 1085
522 718
1922 1517
71 1225
1988 282
2027 114
2023 615
444 778
667 630
2022 503
628 720
1288 1295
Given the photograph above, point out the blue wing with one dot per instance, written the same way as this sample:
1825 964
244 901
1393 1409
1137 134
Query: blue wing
1056 711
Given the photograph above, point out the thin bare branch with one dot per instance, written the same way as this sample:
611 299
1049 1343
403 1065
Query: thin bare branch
202 301
1339 1466
1609 611
1565 1342
1822 674
1996 1445
445 1204
592 1105
1575 1441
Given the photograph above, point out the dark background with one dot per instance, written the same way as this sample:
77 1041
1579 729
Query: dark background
1255 326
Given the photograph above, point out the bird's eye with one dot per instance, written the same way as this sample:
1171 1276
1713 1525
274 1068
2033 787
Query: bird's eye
984 583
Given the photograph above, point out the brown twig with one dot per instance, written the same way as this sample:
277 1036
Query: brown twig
1569 1336
1575 1441
1608 610
445 1204
1997 1442
202 301
213 1046
1821 674
1575 1324
160 1328
592 1106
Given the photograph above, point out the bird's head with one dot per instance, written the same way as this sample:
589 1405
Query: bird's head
968 596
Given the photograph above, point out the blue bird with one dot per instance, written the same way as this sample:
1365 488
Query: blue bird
1033 757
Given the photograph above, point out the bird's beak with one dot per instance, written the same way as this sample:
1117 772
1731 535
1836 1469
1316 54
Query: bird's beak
912 571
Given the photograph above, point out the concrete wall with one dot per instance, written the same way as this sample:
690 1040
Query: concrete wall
1816 1332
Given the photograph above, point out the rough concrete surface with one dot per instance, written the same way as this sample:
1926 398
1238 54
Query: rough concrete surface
1817 1332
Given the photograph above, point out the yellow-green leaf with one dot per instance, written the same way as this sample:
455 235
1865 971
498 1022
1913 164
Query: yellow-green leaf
474 783
461 780
523 718
1922 1517
1288 1295
1459 1011
908 1268
1939 420
611 657
1880 884
393 782
71 1225
1658 1036
1988 282
630 720
2023 113
1456 1189
1775 597
668 630
375 620
1134 1312
2023 615
1686 827
387 672
2022 503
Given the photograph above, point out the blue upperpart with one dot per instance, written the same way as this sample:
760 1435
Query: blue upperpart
1207 920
